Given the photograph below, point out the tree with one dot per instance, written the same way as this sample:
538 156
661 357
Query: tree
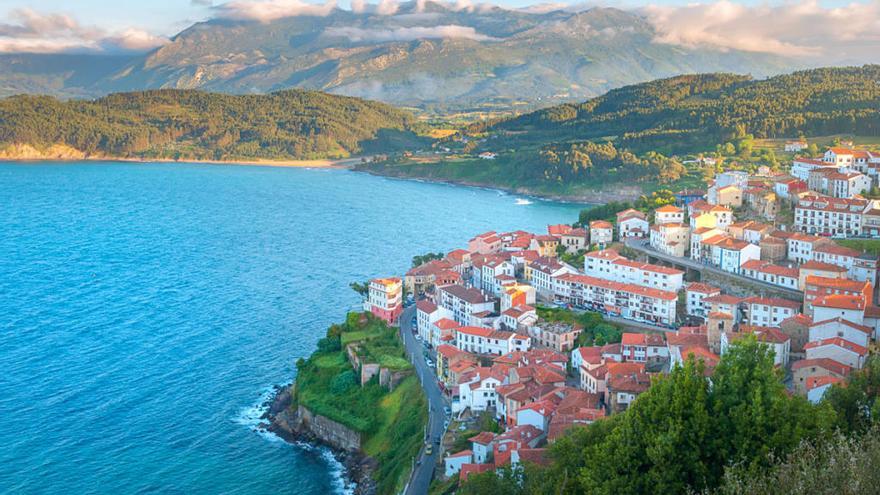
754 417
856 403
419 260
363 288
658 447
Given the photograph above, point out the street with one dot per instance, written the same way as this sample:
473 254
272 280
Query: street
422 473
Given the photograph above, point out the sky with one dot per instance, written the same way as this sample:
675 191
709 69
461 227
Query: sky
796 28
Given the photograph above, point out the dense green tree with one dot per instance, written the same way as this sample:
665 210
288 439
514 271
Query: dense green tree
659 446
421 259
290 124
856 403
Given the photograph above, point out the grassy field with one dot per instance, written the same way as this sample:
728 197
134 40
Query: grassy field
390 423
868 245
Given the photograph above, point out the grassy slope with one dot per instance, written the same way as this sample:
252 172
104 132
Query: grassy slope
390 423
871 246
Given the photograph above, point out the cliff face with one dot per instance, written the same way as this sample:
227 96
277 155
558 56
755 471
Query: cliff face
293 424
28 152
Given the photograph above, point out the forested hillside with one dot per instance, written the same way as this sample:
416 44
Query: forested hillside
185 124
697 112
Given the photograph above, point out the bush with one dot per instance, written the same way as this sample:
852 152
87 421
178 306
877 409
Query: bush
342 382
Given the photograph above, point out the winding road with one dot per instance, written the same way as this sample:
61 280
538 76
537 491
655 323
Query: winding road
423 472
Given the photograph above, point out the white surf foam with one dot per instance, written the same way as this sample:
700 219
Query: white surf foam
250 417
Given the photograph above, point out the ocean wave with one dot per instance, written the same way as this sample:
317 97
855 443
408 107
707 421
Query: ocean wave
252 418
523 201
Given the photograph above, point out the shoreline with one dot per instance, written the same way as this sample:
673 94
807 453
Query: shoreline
340 163
595 199
356 468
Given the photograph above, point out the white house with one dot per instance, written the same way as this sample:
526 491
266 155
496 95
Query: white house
769 311
464 302
848 307
488 341
668 214
601 232
428 313
632 224
454 462
839 350
817 386
694 295
839 327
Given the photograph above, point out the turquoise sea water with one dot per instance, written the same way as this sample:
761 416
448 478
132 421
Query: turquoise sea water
146 309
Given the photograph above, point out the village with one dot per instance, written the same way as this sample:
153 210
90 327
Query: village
751 256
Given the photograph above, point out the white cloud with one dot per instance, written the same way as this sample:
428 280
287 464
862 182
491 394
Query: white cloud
798 29
449 31
35 32
270 10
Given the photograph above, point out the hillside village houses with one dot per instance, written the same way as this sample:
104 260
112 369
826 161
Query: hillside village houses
478 309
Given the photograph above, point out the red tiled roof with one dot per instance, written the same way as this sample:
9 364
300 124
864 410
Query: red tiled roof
825 267
839 342
426 306
482 438
469 469
772 301
840 301
446 324
668 209
600 224
843 321
723 299
814 382
702 288
826 363
463 453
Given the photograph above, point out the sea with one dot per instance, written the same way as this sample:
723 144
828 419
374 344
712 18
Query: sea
147 310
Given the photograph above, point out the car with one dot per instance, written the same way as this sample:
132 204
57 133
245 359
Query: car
429 362
446 424
429 449
447 411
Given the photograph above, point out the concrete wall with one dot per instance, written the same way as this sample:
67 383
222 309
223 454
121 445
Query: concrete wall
326 430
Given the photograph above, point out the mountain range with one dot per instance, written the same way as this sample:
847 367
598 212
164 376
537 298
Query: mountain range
424 55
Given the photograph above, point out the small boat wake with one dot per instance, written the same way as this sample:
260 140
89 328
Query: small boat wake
523 201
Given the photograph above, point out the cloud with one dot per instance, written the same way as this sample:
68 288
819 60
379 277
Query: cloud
449 31
796 29
270 10
384 7
35 32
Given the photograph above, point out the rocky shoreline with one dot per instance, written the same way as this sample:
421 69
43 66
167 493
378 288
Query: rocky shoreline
281 419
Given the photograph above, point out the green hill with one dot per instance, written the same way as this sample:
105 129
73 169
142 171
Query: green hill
696 112
630 140
188 124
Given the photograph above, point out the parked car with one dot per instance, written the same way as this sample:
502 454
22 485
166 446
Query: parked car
429 362
429 449
447 411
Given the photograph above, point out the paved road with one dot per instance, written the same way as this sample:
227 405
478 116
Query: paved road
421 477
644 247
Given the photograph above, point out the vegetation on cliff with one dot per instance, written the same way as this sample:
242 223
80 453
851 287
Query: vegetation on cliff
185 124
391 423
